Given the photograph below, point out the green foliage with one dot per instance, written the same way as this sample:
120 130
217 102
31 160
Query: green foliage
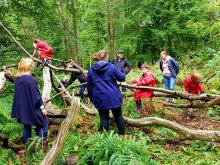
165 133
73 146
8 157
111 149
34 151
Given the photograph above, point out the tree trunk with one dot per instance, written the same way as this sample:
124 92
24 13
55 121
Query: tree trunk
63 133
110 28
75 28
47 87
2 79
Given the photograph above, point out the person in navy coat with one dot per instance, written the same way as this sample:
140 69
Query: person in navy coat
28 107
104 92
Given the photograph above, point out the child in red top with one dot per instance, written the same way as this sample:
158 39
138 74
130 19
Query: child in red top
147 79
43 49
192 84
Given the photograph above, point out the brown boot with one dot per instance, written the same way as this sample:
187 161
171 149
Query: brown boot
45 146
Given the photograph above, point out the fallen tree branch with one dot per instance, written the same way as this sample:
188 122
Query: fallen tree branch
35 59
187 96
63 133
183 132
7 144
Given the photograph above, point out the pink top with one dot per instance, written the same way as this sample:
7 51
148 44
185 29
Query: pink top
166 71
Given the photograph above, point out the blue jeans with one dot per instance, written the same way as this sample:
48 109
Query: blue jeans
81 92
169 82
42 132
44 60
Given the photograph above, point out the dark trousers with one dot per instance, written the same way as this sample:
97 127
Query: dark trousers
71 80
81 92
41 132
104 120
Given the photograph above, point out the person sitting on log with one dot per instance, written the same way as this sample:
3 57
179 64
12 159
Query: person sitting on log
82 79
44 50
147 79
28 107
192 84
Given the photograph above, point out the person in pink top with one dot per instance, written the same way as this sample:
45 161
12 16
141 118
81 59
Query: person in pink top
170 69
43 49
147 79
192 84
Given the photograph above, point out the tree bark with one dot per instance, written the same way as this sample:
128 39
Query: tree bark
63 133
183 132
187 96
2 79
47 88
110 27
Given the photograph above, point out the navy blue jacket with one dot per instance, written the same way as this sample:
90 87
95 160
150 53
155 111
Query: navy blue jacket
123 65
27 102
102 85
172 65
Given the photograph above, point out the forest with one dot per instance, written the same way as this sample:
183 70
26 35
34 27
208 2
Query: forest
185 131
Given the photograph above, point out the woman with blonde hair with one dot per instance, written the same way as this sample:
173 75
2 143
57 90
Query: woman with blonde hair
28 107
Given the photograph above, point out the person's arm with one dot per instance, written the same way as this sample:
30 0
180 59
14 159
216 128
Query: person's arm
89 86
112 61
161 65
34 53
186 85
71 80
201 88
128 65
175 65
36 47
147 81
120 76
43 110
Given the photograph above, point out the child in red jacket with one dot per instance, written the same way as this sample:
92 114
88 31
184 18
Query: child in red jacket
192 84
147 79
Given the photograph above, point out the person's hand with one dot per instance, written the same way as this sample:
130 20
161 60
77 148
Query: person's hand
44 112
130 82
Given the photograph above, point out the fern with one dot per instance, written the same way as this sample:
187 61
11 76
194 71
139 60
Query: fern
114 150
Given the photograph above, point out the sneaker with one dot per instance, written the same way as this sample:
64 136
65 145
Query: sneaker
172 100
167 100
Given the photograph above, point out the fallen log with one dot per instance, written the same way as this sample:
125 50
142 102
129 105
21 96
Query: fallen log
2 79
183 132
187 96
63 133
7 144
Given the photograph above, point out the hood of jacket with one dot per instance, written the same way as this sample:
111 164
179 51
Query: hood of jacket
101 67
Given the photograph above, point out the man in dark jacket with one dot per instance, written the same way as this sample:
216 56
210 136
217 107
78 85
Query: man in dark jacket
104 93
122 64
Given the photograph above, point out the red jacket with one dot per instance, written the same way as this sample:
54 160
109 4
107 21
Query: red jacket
146 80
45 49
193 87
